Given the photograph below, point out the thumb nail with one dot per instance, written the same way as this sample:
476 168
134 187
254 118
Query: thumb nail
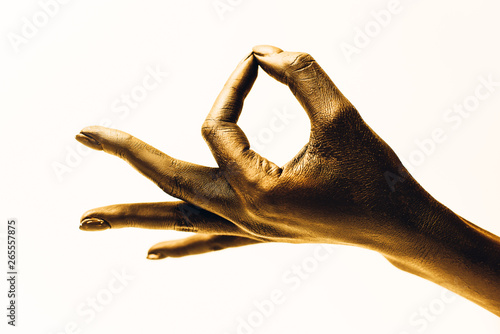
266 50
94 224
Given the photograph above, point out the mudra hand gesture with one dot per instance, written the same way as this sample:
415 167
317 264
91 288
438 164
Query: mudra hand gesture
345 186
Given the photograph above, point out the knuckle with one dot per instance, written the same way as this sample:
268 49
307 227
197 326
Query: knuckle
183 221
209 128
172 184
215 247
123 144
129 144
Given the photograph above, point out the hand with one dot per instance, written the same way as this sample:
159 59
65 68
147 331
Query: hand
334 190
345 186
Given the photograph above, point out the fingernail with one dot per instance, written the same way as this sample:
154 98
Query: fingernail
94 224
87 140
247 56
266 50
153 256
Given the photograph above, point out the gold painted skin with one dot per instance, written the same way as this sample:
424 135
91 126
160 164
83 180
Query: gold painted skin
346 186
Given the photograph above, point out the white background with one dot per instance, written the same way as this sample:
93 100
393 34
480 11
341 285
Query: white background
71 71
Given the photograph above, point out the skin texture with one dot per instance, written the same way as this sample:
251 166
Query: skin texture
345 186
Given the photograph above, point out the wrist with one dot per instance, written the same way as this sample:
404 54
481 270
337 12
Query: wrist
452 252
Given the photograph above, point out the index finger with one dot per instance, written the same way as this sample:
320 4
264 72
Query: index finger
224 137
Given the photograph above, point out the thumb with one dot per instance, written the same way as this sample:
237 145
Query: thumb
310 84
